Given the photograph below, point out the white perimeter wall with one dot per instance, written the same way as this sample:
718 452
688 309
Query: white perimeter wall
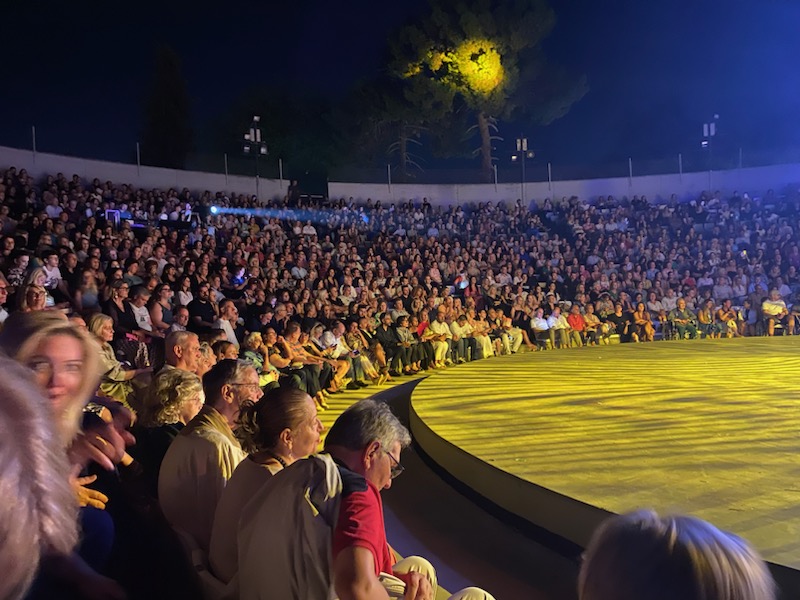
753 180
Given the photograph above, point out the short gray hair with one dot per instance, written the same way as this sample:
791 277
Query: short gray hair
365 422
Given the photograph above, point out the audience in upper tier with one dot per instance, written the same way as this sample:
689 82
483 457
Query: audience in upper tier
124 305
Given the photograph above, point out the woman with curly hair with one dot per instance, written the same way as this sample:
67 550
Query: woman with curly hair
174 398
279 429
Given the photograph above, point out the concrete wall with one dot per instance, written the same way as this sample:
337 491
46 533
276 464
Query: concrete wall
754 180
145 177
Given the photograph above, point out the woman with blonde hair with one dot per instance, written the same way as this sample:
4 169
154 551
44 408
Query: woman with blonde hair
116 381
174 398
641 556
279 429
64 358
33 298
39 514
38 277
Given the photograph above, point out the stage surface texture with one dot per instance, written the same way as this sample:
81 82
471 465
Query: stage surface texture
562 438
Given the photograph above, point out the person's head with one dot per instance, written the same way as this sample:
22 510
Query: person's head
228 384
641 556
207 359
33 298
177 396
368 438
681 303
182 350
284 421
292 331
181 316
102 327
228 310
64 359
224 349
386 319
39 514
139 296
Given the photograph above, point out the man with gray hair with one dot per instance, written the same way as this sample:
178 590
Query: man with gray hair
203 456
334 499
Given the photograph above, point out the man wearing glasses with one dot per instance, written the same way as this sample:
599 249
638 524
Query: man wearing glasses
202 458
364 444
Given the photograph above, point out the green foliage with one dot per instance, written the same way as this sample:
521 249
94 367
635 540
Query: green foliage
485 56
167 135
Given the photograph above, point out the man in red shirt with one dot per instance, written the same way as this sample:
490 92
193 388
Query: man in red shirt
365 442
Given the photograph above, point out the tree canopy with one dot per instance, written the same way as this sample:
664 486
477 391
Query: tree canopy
486 56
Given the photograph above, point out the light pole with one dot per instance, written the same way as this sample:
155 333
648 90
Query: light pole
522 154
253 144
709 131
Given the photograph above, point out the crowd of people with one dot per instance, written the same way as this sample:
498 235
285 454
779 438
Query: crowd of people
212 329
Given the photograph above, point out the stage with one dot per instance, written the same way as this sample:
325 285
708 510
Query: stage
563 438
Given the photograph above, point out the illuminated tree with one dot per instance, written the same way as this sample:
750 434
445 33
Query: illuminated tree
486 54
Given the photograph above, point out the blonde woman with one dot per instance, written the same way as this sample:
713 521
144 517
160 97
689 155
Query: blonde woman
38 515
33 298
174 398
116 382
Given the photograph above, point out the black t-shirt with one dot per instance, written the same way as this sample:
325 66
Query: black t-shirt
202 309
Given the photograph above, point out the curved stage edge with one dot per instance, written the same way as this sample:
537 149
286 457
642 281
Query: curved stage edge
562 439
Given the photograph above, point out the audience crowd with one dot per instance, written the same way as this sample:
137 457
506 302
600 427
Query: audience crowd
213 328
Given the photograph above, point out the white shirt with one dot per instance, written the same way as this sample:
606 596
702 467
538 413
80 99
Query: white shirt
143 319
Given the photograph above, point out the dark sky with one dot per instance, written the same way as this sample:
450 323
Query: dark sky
656 70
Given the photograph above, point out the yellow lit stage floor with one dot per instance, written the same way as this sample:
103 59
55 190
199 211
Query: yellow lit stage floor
561 438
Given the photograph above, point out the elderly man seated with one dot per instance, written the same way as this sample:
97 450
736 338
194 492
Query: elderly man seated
335 500
205 453
683 320
776 313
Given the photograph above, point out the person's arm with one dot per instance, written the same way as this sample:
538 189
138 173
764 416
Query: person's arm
354 576
278 361
157 316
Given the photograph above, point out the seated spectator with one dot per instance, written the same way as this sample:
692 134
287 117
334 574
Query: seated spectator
577 326
365 442
33 298
224 349
115 382
203 456
207 360
641 556
643 330
559 328
707 322
40 515
775 312
683 320
728 318
275 431
256 353
176 398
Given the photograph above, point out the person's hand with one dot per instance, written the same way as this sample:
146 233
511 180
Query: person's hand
417 586
87 496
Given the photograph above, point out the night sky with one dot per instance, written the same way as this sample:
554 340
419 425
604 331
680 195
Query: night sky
656 71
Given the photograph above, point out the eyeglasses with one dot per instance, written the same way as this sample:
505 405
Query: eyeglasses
397 468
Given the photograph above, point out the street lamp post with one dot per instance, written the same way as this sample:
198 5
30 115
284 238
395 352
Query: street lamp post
522 154
254 145
709 131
